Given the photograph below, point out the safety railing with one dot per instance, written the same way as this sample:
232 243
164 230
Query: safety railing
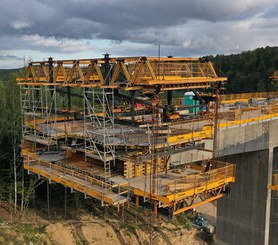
250 115
39 165
221 173
227 98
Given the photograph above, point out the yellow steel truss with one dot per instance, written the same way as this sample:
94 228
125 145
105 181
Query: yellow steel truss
138 72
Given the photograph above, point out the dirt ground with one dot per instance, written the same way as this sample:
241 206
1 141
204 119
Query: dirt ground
90 229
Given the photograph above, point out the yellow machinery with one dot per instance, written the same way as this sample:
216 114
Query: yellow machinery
75 132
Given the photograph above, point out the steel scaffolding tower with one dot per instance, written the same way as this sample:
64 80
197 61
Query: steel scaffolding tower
39 111
99 127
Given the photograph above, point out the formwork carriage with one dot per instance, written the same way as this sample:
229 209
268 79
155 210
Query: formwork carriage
108 132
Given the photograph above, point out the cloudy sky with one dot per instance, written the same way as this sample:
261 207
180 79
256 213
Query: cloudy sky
72 29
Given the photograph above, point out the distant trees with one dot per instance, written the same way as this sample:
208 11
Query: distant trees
248 71
10 137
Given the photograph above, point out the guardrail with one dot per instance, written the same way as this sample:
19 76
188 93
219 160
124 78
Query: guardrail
73 179
225 98
220 174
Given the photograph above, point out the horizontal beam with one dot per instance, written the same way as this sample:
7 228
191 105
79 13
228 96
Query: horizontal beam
197 204
141 159
185 81
114 59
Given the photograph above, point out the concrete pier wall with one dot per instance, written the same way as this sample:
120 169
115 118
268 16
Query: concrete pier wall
241 215
273 227
247 214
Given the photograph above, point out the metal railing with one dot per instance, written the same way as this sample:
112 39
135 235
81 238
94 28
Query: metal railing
72 176
221 173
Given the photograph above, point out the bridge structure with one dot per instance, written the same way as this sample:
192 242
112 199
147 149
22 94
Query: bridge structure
112 129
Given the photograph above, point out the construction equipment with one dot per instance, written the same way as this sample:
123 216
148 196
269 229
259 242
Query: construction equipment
204 225
112 151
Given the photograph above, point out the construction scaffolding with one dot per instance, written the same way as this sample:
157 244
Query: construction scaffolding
104 127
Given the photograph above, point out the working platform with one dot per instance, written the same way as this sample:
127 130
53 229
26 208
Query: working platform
178 185
180 188
99 126
80 177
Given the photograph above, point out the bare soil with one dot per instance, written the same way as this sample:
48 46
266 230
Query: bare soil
131 228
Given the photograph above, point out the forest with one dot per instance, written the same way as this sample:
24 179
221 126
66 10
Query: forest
248 71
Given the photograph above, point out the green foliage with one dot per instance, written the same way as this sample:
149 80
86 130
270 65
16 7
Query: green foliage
29 232
248 71
185 219
10 134
184 222
10 118
5 74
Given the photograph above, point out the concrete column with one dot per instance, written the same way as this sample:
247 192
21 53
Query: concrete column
273 223
241 216
272 196
268 197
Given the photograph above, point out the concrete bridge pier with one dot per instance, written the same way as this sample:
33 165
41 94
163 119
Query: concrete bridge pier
249 213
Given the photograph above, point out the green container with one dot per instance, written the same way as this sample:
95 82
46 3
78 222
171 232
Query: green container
188 100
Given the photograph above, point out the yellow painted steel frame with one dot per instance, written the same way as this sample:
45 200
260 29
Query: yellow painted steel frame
214 179
59 179
194 205
207 131
139 72
249 120
197 135
70 184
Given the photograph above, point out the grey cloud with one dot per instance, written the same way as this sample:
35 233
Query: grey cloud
9 57
10 61
182 27
39 43
271 12
116 18
78 27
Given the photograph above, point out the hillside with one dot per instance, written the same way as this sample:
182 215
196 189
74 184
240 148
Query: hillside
248 71
5 74
84 227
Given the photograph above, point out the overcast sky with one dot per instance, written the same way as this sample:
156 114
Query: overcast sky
72 29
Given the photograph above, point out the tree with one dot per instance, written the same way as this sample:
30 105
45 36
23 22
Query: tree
248 71
10 128
13 130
